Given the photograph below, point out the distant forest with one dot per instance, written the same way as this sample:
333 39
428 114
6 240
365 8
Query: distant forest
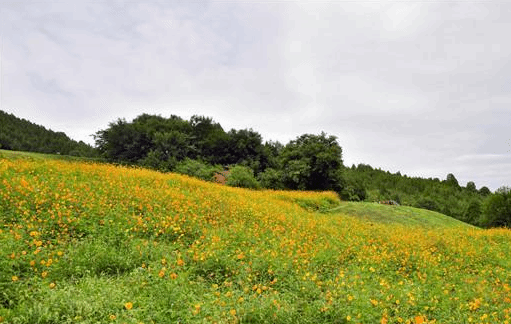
21 135
200 147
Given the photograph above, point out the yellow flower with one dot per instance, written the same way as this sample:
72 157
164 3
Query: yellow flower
232 312
113 317
44 274
128 305
15 278
52 285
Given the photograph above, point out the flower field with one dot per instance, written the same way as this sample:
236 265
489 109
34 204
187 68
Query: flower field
95 243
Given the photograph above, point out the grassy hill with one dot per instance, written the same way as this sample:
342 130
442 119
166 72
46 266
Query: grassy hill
393 215
87 243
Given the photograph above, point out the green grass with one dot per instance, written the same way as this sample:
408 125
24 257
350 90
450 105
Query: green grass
33 156
95 243
393 215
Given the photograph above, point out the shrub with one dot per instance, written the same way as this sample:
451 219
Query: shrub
197 169
242 176
271 179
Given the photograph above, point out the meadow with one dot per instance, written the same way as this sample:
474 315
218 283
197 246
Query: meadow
83 242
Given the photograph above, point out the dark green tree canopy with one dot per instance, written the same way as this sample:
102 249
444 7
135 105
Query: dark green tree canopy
312 162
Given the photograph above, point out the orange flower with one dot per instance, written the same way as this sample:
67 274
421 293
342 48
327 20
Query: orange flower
419 319
180 262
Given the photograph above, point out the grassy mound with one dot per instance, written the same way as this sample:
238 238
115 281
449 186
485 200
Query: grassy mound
394 215
88 243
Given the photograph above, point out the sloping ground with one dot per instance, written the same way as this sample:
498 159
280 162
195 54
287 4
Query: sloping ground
404 215
89 243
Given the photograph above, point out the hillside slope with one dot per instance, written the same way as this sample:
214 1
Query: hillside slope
393 215
18 134
87 243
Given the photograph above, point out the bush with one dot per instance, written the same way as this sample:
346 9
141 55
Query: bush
157 160
197 169
241 176
271 179
353 191
428 203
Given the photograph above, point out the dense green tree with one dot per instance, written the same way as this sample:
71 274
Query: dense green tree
271 179
312 162
452 181
497 209
210 139
484 191
473 213
246 147
123 142
471 186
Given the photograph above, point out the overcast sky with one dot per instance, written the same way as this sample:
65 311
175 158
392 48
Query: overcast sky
420 87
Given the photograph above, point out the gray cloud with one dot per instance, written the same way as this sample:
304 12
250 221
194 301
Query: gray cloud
420 87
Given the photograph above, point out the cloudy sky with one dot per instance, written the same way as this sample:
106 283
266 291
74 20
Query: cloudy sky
420 87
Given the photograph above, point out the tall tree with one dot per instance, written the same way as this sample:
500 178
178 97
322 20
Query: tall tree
312 162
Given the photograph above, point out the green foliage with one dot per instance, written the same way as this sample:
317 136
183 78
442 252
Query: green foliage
246 147
271 179
484 191
21 135
473 213
353 192
497 209
198 169
242 176
427 203
471 186
158 160
353 189
312 162
446 196
452 181
123 142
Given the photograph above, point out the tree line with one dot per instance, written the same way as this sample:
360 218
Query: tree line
200 147
475 206
18 134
